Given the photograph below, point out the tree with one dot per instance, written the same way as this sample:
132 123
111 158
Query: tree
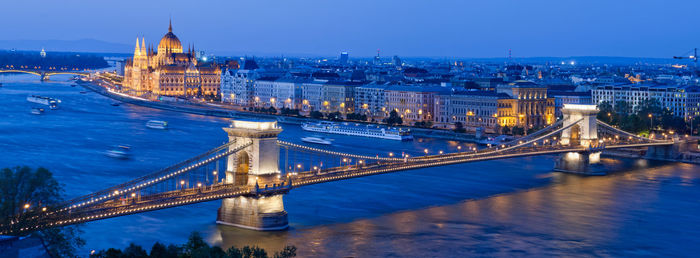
316 115
459 127
394 118
505 129
22 186
160 251
288 251
135 251
517 130
335 116
194 242
272 110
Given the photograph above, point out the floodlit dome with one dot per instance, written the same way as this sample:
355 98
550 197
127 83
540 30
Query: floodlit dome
170 42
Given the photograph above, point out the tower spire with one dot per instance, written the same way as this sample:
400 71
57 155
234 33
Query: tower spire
170 25
143 44
137 49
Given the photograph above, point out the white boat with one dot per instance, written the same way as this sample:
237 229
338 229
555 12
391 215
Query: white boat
37 111
317 140
43 100
119 152
157 124
373 131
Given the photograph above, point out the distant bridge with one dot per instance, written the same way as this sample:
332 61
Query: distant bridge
44 75
251 184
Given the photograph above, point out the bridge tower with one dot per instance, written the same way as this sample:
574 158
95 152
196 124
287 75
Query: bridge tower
255 165
581 129
585 131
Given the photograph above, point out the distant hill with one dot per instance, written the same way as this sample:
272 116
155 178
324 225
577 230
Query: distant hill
82 45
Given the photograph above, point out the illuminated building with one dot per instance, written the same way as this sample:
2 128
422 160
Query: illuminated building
524 104
168 71
682 101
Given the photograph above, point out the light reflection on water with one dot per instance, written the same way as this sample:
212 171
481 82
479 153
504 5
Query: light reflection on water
504 208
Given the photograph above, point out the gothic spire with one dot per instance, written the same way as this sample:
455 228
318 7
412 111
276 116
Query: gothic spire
143 45
137 49
170 26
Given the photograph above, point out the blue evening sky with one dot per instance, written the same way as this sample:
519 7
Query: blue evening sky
637 28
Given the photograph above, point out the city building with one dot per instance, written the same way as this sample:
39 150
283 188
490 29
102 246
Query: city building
370 100
682 101
568 94
338 96
237 86
524 104
473 109
343 57
168 71
413 103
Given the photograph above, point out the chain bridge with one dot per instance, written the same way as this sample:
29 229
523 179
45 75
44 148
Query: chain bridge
248 174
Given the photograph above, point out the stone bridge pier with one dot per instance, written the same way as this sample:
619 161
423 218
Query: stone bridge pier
673 152
583 132
255 164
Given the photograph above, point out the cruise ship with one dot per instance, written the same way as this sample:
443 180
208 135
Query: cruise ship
359 130
43 100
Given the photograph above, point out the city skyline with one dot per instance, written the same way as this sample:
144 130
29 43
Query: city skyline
476 30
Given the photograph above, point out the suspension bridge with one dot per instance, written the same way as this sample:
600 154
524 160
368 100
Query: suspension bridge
44 75
249 176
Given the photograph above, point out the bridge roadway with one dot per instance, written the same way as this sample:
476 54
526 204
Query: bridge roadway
138 204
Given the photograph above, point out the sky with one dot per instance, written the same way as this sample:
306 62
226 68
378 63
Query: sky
408 28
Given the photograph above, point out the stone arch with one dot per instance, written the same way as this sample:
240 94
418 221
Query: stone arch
575 135
243 163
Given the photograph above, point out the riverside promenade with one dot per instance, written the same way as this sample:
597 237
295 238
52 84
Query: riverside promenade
218 110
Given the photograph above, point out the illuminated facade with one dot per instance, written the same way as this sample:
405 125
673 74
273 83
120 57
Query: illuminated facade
524 104
169 71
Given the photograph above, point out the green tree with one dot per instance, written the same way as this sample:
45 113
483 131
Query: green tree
335 116
459 127
316 115
36 189
287 252
394 118
505 129
517 130
135 251
160 251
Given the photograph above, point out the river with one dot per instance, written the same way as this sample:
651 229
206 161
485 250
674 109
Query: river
515 207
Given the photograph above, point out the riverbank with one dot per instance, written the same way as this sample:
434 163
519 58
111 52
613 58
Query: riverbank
221 111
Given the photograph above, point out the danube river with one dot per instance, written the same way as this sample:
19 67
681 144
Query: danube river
515 207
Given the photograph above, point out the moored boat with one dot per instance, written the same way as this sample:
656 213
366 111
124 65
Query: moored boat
373 131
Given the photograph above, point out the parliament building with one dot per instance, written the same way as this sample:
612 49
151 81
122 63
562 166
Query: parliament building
169 71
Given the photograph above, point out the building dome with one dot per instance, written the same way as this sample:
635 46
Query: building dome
170 42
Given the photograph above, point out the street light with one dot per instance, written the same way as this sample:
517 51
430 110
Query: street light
426 151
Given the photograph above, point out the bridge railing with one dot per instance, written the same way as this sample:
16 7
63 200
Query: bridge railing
153 178
335 153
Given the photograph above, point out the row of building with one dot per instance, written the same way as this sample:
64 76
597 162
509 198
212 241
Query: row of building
520 103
